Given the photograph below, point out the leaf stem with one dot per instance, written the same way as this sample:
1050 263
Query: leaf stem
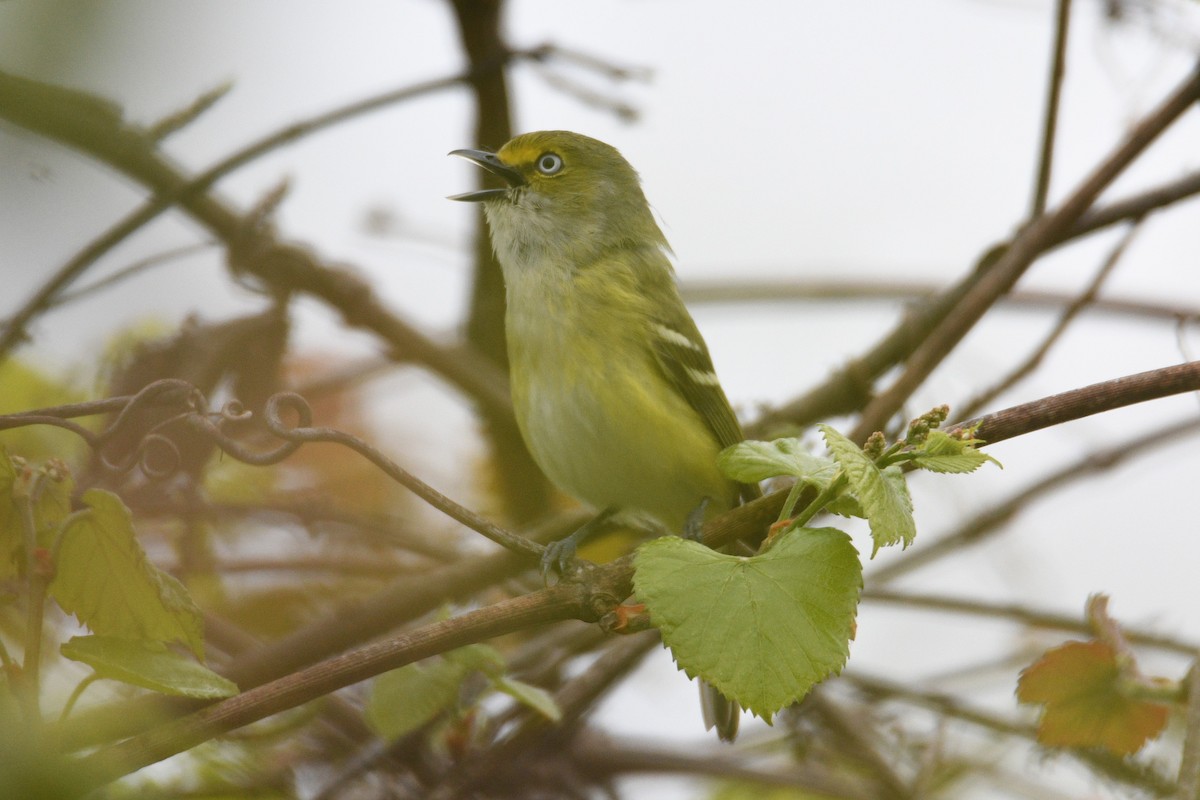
1138 688
75 694
793 497
827 496
24 492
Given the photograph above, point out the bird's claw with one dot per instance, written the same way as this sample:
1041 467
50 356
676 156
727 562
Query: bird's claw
557 558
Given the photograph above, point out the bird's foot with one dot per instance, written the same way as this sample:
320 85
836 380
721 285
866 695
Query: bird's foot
558 557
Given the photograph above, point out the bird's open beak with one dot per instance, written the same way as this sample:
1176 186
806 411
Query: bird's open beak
492 164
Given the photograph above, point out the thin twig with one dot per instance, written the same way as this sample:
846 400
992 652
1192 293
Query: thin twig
459 513
859 746
564 601
751 518
345 626
1034 359
1135 207
624 111
95 127
743 290
177 120
1053 96
1123 770
600 65
1085 401
999 277
574 698
313 513
846 390
598 757
1024 615
293 437
129 271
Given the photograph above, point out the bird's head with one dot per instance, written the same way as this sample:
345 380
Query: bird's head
564 191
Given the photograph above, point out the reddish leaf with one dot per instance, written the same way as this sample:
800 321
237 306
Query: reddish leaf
1079 685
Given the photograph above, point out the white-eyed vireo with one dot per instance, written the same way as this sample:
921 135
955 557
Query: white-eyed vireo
612 384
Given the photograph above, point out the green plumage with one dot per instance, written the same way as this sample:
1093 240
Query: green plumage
612 384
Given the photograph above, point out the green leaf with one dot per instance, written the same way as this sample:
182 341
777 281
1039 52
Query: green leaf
528 695
481 657
753 461
883 494
407 698
149 665
104 579
763 630
943 453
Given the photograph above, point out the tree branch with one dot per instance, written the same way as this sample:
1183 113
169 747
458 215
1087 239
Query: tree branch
95 127
999 277
566 601
1022 615
1053 95
847 388
1084 402
1068 315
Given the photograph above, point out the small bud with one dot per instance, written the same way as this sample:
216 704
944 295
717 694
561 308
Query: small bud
919 428
56 470
875 445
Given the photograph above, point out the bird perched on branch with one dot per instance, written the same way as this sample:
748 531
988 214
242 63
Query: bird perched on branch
612 384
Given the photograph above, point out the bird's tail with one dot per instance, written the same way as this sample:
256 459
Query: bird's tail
719 712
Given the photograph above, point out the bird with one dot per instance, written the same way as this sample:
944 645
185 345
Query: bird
612 384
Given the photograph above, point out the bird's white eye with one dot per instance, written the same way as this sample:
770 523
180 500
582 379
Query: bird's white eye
549 163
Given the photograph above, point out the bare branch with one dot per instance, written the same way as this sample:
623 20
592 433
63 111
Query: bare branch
999 277
186 116
1054 83
1124 770
1085 401
848 388
867 291
95 127
304 433
139 266
1034 359
565 601
1022 615
575 698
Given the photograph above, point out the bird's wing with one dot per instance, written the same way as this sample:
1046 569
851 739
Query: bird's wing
684 359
